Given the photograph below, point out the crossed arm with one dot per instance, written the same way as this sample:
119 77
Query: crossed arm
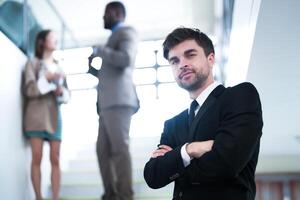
194 149
234 147
167 163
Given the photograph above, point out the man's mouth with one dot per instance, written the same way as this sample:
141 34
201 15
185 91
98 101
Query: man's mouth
185 74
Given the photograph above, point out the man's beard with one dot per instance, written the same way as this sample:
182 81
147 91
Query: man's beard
196 83
109 24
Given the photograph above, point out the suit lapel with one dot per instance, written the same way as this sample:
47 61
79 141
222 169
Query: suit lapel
209 102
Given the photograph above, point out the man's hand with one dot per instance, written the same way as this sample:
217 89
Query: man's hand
197 149
162 149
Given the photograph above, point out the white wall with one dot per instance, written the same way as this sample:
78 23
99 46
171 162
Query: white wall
264 49
241 39
14 152
275 70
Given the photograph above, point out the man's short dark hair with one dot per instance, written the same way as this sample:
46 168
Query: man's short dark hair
181 34
118 6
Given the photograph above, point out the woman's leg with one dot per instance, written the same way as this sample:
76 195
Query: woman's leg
37 153
55 168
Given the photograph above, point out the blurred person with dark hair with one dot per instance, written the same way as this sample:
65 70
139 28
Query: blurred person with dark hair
117 102
210 151
45 89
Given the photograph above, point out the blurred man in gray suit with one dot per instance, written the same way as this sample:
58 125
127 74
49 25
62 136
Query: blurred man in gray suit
117 102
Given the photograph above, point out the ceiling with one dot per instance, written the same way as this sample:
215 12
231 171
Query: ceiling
153 19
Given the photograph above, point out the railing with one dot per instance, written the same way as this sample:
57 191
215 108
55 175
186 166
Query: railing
21 20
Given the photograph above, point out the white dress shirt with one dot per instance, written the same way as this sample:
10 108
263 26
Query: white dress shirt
200 100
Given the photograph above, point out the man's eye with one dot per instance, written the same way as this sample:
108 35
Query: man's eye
191 55
174 62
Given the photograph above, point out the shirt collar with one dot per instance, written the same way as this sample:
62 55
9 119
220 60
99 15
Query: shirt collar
116 26
203 96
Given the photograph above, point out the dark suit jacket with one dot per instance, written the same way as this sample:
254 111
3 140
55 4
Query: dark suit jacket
232 117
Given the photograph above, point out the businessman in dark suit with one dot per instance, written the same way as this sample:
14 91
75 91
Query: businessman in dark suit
117 102
211 149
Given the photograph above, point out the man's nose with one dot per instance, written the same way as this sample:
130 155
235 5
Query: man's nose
183 64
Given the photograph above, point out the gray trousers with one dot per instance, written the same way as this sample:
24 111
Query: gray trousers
113 153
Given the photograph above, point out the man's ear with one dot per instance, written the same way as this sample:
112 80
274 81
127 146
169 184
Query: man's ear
211 59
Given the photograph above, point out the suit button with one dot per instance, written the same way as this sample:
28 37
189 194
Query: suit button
180 194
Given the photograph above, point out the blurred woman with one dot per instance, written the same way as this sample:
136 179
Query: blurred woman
45 89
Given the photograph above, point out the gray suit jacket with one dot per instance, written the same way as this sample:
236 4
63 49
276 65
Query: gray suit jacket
116 87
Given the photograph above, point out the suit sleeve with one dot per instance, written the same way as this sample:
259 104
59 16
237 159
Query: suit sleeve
162 170
124 54
237 138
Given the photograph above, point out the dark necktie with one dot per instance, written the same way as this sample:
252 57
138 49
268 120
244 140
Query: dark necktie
193 107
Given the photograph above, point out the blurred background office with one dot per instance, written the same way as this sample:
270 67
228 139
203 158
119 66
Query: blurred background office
255 40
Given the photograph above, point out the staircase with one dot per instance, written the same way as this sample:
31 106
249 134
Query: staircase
82 179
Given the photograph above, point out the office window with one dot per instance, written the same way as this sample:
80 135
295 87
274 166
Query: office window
160 97
144 76
165 74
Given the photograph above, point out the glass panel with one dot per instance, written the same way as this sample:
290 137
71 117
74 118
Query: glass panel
74 60
150 119
46 16
49 18
39 15
217 72
146 93
81 81
173 97
144 76
3 1
46 19
147 121
11 21
145 58
69 40
160 58
165 74
146 53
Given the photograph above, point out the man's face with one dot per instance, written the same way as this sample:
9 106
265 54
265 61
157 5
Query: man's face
109 18
191 68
